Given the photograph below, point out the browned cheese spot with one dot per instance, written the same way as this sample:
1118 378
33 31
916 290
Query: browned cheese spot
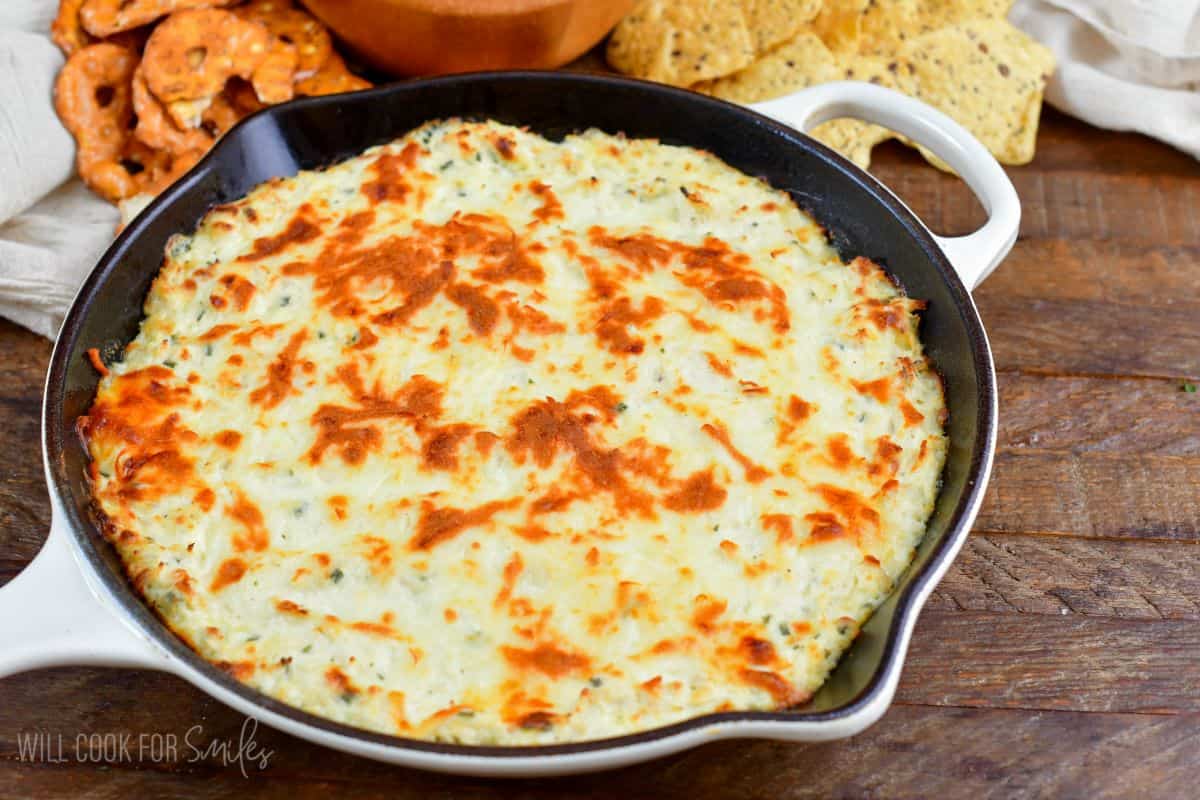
229 439
138 414
546 658
784 693
548 426
781 524
254 535
230 572
300 230
699 492
719 433
345 428
714 269
279 374
880 388
390 176
550 209
437 525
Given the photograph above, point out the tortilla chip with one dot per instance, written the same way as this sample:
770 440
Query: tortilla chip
881 27
855 139
934 14
805 61
681 41
802 61
988 76
976 68
839 24
775 21
886 24
892 72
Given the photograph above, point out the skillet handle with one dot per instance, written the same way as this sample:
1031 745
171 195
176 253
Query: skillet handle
49 616
975 255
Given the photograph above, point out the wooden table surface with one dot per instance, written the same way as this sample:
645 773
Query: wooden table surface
1059 658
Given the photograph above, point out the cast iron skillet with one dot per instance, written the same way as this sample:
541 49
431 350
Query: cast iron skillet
74 604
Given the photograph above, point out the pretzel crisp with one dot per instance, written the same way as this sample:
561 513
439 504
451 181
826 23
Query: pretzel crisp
67 31
159 168
192 54
155 128
237 101
149 85
103 18
292 26
331 78
92 97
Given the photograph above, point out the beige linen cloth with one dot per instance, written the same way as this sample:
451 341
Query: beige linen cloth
52 229
1122 64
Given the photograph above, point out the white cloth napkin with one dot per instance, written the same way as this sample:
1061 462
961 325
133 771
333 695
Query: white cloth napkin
52 229
1126 65
1122 64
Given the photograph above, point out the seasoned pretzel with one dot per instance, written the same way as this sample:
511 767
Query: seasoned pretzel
221 115
236 102
133 39
295 27
191 55
155 127
103 18
66 30
331 78
241 95
159 168
92 97
275 77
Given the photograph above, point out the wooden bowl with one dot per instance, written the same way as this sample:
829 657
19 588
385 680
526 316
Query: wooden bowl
426 37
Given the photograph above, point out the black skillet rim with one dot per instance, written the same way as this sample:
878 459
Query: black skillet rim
56 431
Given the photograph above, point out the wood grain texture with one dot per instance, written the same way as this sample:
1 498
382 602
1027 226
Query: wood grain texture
1068 576
979 753
1094 415
1059 658
24 502
1067 204
1097 495
1037 662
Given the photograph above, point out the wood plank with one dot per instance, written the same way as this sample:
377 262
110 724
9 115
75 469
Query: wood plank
1070 201
1094 494
24 503
1097 415
1112 271
1050 575
1090 337
1111 307
1073 662
914 752
1096 457
1150 209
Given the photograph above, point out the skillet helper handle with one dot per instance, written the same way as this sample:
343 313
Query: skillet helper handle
973 256
49 616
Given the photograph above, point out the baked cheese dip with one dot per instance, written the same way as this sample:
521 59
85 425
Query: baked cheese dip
483 438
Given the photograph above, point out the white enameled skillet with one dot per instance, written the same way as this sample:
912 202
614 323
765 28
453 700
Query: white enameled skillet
73 604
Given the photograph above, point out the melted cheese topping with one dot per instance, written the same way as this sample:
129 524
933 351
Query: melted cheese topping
483 438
